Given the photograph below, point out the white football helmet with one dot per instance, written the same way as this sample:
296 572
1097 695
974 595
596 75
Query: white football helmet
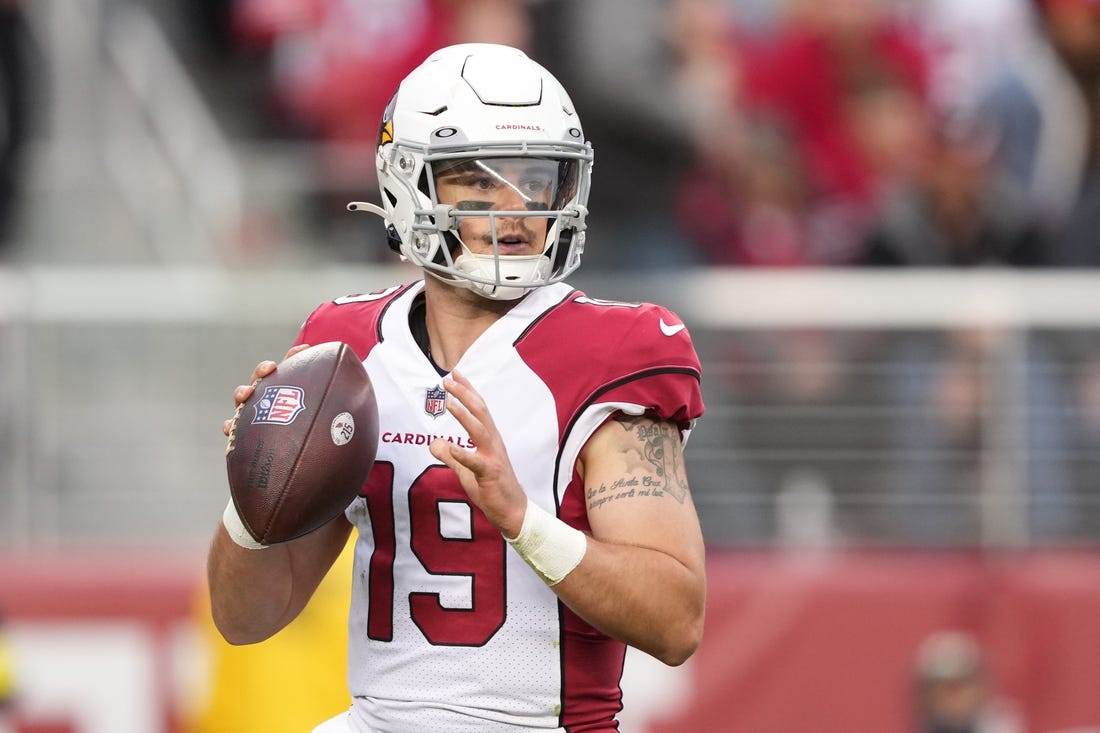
483 106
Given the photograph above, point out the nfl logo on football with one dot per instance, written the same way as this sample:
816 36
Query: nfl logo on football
279 405
435 401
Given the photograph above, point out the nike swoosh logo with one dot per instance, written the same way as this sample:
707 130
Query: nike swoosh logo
672 330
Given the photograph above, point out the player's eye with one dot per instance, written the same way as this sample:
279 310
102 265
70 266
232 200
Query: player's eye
534 186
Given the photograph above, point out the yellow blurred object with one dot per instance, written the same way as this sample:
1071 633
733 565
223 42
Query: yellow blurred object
292 681
7 672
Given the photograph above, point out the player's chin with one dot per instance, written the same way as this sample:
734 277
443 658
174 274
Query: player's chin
517 251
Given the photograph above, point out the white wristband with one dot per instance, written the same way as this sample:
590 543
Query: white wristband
235 527
550 546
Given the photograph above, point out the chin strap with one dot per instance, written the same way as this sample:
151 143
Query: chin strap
529 270
393 239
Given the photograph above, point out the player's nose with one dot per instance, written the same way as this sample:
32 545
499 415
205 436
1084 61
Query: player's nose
511 198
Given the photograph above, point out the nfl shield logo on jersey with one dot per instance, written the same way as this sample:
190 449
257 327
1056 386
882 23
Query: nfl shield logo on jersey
279 405
435 402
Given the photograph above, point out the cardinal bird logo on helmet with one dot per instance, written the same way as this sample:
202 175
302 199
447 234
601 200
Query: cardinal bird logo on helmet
385 130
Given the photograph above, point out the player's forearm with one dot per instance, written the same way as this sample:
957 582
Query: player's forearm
643 597
255 593
250 590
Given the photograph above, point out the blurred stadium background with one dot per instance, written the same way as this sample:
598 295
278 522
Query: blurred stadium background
890 281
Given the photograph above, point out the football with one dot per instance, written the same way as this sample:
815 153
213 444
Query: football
302 444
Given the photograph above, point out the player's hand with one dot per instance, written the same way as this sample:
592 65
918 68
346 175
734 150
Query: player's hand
244 391
486 473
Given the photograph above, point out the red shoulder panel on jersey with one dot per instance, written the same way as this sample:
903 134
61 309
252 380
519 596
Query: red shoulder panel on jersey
353 319
615 351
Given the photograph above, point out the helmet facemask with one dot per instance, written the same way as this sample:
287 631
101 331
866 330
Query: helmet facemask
500 225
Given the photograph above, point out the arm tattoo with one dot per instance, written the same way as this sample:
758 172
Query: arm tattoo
658 457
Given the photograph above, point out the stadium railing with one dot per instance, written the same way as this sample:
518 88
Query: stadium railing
928 408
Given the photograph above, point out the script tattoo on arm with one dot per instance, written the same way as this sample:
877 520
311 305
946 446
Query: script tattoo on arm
654 463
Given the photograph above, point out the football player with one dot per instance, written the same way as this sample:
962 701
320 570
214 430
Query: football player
528 514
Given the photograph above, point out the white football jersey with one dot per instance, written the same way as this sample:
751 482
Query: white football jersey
450 631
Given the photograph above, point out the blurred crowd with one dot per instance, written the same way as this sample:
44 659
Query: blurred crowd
747 132
744 133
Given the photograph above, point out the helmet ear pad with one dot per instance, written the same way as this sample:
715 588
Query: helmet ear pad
393 239
561 251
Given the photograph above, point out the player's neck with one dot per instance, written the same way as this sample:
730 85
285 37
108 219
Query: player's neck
455 318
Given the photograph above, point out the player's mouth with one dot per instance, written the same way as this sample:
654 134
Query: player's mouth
511 243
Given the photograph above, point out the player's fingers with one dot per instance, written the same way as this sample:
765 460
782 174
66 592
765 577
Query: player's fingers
263 369
460 387
294 350
457 382
242 393
226 427
455 457
462 414
439 449
480 430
